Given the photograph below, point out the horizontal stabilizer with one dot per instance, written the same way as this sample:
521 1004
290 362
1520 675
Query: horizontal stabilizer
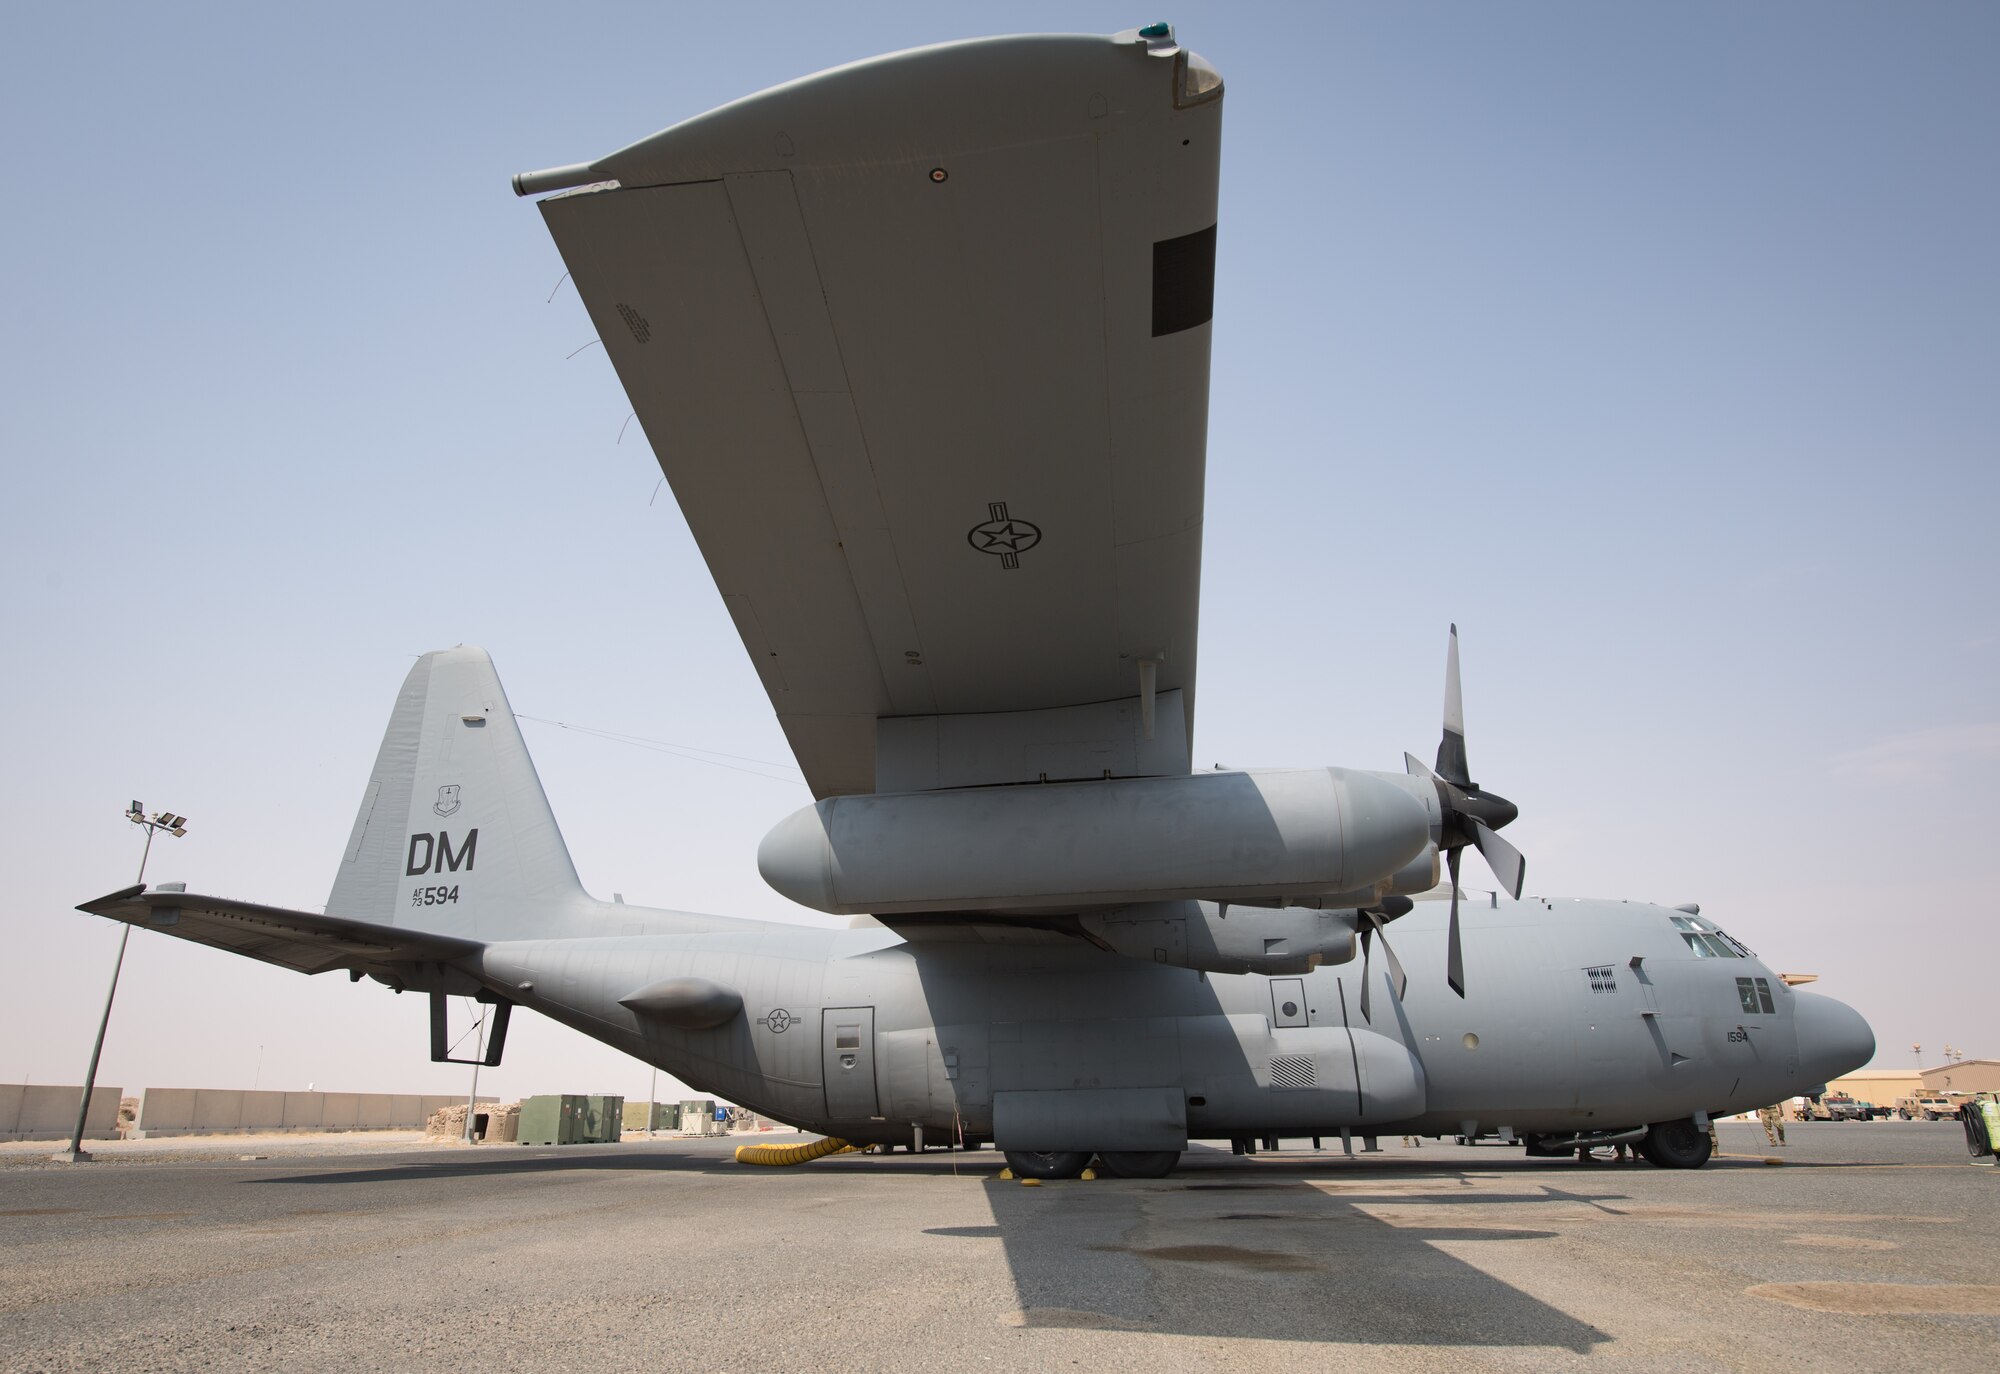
303 940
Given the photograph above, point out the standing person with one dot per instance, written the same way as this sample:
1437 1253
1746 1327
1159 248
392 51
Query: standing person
1774 1123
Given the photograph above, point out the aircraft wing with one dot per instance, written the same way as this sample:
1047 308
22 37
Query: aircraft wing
922 346
303 940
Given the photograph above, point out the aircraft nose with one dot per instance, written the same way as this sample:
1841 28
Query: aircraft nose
1833 1039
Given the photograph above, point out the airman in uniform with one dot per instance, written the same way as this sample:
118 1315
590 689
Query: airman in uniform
1774 1123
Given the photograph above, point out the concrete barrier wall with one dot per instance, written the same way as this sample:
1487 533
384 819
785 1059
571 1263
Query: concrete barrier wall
34 1111
219 1111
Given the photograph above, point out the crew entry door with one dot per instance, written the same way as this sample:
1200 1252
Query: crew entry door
847 1039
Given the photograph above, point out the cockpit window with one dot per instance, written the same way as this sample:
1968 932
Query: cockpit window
1755 996
1707 941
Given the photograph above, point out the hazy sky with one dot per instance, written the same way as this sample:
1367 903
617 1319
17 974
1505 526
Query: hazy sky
1653 344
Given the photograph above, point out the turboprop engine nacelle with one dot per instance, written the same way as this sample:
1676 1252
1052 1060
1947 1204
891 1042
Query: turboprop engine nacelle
1251 836
1236 939
1418 875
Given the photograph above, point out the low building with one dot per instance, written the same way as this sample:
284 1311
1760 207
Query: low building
1879 1086
1965 1076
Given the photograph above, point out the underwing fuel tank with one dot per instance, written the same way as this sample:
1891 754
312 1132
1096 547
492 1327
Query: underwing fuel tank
1240 836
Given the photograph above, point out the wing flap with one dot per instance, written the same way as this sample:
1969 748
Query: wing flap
305 941
671 291
954 928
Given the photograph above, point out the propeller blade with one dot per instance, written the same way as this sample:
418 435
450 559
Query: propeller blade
1369 931
1451 748
1402 979
1454 953
1414 766
1367 979
1505 860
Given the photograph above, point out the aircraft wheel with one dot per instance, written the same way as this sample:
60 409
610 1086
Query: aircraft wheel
1139 1163
1976 1143
1676 1144
1046 1163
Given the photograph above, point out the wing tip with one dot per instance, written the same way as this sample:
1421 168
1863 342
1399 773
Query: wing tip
124 894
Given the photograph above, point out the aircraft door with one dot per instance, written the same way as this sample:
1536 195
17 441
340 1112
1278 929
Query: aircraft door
1288 1002
847 1047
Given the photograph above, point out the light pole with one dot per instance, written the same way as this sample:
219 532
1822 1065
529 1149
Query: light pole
472 1097
175 826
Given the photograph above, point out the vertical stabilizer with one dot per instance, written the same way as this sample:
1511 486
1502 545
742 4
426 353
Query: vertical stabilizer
454 835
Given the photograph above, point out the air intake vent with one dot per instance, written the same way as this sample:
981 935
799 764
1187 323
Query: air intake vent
1292 1071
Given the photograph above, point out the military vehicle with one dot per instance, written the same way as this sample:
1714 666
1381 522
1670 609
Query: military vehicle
1928 1107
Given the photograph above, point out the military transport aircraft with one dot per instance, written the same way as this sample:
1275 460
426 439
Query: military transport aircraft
922 346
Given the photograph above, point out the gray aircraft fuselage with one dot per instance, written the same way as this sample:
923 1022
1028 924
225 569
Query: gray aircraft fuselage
1589 1016
1587 1019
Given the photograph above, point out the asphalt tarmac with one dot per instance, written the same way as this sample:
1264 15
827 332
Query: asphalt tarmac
1873 1246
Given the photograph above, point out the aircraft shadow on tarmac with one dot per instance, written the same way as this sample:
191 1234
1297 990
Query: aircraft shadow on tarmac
1224 1248
1275 1259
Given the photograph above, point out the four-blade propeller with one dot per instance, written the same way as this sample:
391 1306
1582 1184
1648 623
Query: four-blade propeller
1471 816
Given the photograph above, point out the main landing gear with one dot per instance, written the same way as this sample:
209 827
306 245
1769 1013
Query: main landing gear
1070 1163
1047 1163
1139 1163
1676 1144
1666 1144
